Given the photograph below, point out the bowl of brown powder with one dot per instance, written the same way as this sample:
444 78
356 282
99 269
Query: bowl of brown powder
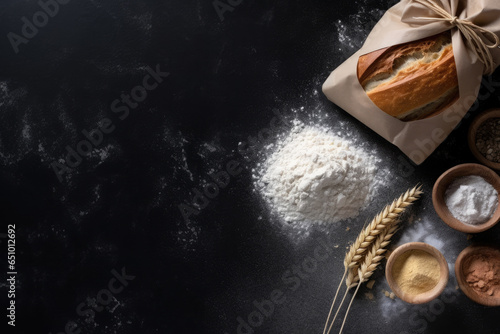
477 269
417 272
484 138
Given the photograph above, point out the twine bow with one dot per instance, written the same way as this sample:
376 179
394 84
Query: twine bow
470 31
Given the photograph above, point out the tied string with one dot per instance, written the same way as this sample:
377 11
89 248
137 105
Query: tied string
470 31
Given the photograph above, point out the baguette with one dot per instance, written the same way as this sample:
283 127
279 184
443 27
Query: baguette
411 81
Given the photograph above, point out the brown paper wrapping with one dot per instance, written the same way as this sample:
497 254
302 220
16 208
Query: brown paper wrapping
417 139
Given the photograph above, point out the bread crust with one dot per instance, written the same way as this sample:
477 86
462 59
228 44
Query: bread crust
428 77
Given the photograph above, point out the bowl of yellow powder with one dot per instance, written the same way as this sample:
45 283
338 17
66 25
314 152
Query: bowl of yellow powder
417 272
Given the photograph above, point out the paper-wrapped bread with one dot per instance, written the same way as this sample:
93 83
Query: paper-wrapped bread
411 81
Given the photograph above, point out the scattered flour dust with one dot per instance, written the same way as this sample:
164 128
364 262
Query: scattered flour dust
316 176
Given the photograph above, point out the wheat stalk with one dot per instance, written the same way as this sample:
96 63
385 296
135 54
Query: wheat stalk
374 256
371 262
355 257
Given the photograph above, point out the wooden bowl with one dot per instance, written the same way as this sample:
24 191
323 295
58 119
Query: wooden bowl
445 180
428 295
460 267
476 123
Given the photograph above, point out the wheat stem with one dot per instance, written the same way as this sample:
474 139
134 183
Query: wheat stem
333 303
349 307
338 310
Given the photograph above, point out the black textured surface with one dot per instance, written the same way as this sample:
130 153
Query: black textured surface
118 208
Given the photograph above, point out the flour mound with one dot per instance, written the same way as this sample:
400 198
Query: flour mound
316 176
471 199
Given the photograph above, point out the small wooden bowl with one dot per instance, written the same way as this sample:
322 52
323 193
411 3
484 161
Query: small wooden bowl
428 295
476 123
460 267
445 180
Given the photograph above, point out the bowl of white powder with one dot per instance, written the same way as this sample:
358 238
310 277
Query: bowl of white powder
467 196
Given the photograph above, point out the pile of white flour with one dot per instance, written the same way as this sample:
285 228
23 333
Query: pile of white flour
316 176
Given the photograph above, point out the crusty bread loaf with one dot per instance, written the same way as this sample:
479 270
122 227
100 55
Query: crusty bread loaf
411 81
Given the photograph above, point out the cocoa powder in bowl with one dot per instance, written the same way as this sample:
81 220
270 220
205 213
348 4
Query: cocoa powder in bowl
482 273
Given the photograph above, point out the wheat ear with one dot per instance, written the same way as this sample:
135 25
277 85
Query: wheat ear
358 249
377 225
371 262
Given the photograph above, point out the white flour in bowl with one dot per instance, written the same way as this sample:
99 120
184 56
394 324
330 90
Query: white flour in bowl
471 199
316 176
